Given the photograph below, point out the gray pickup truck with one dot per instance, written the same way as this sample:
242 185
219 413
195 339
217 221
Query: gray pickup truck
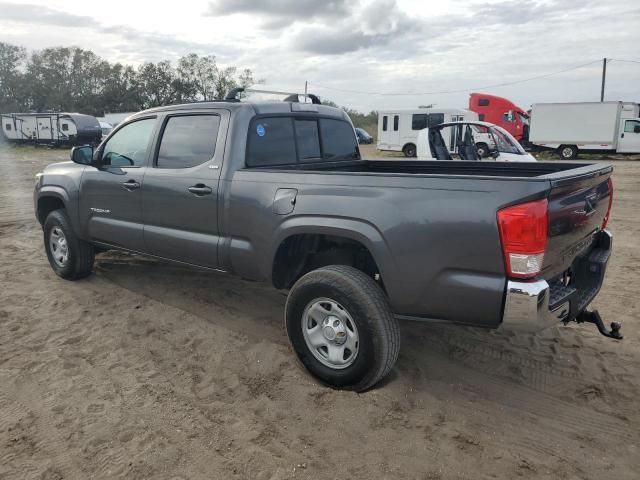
278 192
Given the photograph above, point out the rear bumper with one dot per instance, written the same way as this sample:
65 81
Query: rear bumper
534 306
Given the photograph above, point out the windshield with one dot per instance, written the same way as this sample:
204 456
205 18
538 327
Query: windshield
523 118
505 142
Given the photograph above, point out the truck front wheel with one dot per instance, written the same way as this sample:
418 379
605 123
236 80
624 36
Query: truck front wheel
341 327
568 152
70 257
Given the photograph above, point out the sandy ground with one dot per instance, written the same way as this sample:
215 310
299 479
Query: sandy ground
152 370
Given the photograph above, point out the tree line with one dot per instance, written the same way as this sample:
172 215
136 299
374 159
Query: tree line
72 79
77 80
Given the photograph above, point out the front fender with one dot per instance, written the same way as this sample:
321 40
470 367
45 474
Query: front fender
58 192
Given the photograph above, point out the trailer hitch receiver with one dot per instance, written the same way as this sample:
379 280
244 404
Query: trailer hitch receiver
595 318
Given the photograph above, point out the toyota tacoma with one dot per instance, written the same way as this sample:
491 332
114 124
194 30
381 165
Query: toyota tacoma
278 192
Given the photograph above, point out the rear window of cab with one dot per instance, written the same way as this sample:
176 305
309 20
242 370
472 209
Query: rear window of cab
294 140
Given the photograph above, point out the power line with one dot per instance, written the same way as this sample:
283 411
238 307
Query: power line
625 61
460 90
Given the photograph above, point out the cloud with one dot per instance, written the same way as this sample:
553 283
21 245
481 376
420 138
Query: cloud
280 13
517 12
157 44
375 24
44 15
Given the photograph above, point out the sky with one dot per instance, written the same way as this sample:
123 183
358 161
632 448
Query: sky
363 53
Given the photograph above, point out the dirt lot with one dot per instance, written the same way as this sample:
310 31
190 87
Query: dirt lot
151 370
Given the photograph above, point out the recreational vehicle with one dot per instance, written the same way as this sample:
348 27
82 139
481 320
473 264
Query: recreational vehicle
51 128
398 129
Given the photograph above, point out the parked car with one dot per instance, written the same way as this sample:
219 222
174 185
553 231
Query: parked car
278 192
474 141
398 129
363 136
570 128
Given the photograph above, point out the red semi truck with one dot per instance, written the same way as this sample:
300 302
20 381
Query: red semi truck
502 112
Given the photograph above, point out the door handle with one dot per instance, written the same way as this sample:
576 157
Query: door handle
131 185
200 189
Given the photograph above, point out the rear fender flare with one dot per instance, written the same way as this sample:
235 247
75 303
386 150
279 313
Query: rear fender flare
357 230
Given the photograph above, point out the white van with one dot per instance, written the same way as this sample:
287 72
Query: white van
398 129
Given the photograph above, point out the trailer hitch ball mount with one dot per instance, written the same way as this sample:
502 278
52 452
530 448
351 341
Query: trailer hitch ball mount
595 318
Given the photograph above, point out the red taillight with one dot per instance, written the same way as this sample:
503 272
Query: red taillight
606 217
523 232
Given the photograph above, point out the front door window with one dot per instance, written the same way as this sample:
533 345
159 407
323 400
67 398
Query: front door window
129 146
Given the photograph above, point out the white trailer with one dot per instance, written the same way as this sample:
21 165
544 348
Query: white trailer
398 129
51 128
570 128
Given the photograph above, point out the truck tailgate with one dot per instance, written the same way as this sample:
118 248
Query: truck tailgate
578 205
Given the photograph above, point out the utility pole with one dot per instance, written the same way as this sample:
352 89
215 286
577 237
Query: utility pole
604 77
305 91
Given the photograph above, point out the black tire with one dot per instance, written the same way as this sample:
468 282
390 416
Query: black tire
80 257
366 303
568 152
409 150
483 150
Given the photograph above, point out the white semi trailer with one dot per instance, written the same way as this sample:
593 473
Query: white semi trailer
570 128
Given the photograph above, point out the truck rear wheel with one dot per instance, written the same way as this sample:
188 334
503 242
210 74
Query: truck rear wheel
568 152
409 150
70 257
341 327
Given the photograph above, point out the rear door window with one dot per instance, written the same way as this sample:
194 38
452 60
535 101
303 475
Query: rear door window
338 140
271 142
188 141
308 140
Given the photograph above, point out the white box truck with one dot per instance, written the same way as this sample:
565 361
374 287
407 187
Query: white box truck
398 129
570 128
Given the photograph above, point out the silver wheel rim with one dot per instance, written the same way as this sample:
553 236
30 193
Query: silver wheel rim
330 333
58 246
567 152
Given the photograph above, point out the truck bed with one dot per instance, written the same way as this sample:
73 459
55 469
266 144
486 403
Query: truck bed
540 170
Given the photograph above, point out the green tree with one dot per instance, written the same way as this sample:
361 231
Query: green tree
74 79
198 76
12 59
159 84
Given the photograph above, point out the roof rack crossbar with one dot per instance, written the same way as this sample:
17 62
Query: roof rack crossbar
234 95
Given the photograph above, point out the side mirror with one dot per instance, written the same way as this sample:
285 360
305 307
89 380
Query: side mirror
636 129
82 155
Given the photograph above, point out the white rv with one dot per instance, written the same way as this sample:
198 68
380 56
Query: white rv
398 129
570 128
51 128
